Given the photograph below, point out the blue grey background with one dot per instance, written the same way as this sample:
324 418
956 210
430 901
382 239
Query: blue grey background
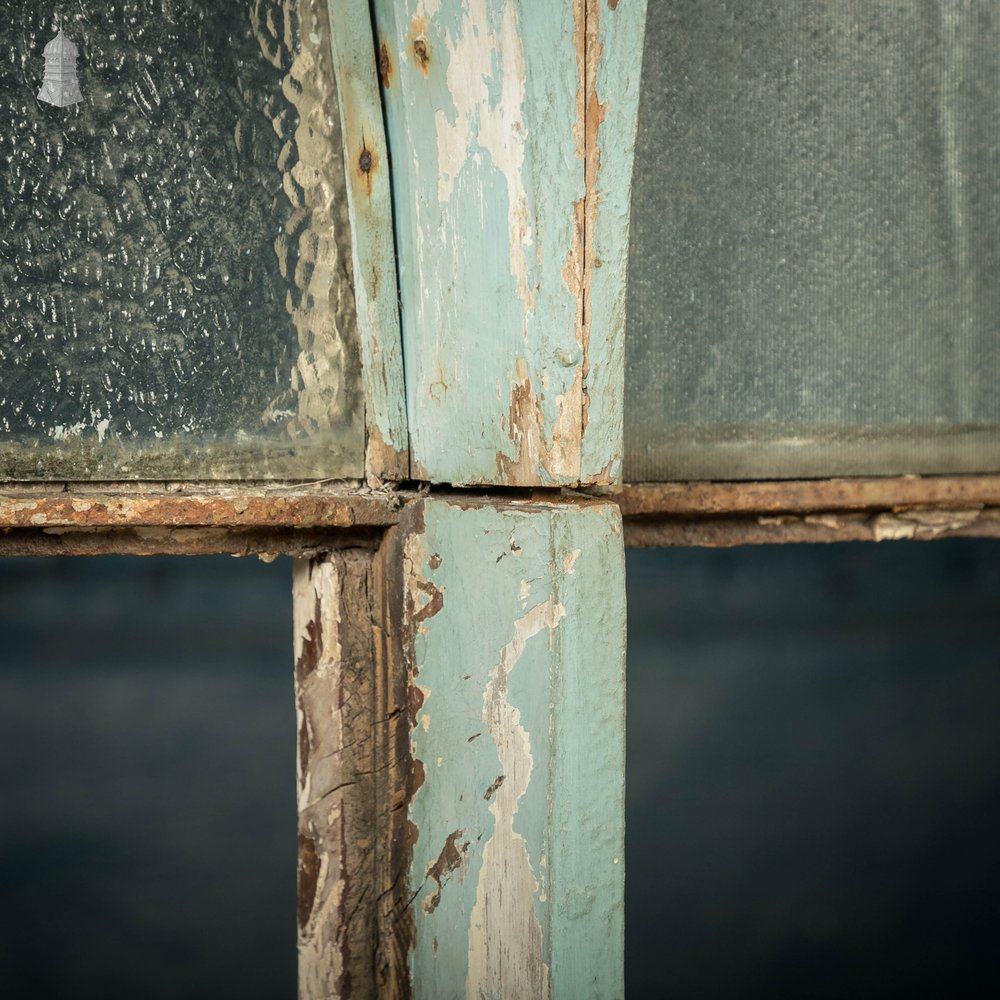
814 768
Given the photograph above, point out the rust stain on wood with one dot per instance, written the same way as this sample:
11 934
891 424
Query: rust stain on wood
593 119
582 259
311 646
557 457
384 65
524 427
415 703
418 44
367 164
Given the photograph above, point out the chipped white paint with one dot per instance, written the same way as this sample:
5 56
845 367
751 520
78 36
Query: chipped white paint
517 811
922 523
505 937
504 161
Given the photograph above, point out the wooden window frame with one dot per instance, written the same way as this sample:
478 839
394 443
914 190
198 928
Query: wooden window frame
366 601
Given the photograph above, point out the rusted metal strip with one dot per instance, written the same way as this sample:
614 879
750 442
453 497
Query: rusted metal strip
267 543
918 524
293 519
112 506
803 496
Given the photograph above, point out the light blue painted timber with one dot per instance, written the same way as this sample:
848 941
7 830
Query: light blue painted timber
517 664
614 64
486 118
370 207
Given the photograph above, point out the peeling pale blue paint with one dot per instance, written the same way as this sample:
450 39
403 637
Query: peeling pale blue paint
486 123
373 252
521 672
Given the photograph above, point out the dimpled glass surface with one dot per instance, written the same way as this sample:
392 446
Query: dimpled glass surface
814 283
175 294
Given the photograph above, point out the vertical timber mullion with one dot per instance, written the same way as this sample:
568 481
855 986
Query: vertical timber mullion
514 636
510 126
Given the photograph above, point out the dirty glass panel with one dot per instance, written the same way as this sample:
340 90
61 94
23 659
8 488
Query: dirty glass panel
814 283
175 296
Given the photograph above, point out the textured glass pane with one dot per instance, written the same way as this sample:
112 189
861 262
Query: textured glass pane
814 284
174 263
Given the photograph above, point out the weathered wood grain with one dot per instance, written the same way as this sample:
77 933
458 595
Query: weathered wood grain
334 692
355 776
369 202
503 155
514 639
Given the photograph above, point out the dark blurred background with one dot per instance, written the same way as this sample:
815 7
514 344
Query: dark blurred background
814 769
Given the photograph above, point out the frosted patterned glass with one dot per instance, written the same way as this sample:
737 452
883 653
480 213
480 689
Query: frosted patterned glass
175 295
815 259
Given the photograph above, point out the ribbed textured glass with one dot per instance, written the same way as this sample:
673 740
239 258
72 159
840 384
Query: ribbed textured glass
815 258
175 294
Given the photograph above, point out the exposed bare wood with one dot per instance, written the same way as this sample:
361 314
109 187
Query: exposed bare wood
920 524
396 777
355 927
334 701
802 496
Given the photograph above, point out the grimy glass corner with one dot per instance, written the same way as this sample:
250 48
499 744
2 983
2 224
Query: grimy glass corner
175 273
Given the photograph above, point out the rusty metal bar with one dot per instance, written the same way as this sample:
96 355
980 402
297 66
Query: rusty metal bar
724 531
305 519
808 496
111 505
267 543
